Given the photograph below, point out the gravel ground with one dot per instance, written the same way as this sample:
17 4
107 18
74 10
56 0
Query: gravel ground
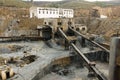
46 54
78 73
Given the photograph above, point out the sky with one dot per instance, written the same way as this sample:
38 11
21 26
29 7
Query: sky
44 0
97 0
62 0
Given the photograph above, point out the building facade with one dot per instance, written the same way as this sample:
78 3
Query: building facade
43 12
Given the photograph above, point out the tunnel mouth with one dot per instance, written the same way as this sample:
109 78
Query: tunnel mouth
77 29
47 32
83 29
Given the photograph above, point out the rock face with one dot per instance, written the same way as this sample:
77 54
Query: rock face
107 27
9 18
111 12
81 12
15 22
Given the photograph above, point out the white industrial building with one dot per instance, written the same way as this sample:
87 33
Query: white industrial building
43 12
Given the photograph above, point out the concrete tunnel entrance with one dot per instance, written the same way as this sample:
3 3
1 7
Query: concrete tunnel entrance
45 32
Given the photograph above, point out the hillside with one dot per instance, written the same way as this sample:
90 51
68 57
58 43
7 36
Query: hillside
66 4
14 3
76 4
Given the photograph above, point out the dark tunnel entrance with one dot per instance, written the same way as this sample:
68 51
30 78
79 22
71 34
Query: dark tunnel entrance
47 32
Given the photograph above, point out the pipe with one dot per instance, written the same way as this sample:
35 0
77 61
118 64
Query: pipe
92 67
63 34
89 40
80 53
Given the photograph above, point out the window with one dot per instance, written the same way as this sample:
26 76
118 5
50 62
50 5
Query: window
50 12
57 12
53 12
39 12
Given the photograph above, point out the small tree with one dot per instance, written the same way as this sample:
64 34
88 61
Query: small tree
54 5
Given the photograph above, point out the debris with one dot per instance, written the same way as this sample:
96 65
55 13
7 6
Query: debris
15 47
29 59
2 61
6 72
12 60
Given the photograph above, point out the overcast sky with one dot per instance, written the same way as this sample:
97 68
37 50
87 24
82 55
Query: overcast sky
97 0
44 0
62 0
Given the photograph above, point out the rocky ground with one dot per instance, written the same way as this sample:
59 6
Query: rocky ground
27 57
22 63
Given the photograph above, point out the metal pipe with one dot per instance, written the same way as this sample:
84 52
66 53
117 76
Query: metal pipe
63 34
89 40
80 53
92 67
114 65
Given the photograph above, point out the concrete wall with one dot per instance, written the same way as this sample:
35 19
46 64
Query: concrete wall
33 12
20 33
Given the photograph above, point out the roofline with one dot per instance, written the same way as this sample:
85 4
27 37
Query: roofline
50 7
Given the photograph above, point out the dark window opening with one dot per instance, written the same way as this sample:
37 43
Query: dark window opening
50 23
45 22
59 23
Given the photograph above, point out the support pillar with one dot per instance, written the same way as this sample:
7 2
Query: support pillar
41 33
66 45
38 32
83 42
114 62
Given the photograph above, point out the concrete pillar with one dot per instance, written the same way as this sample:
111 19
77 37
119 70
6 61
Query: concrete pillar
41 35
114 62
83 42
38 32
66 45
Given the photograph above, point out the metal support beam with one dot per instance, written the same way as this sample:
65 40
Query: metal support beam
90 65
89 39
63 34
114 70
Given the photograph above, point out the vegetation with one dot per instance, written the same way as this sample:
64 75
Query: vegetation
14 3
78 4
65 4
103 4
54 5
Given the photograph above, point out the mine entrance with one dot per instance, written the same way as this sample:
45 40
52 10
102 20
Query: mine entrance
47 32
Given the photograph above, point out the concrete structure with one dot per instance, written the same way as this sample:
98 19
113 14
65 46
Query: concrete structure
103 16
114 62
43 12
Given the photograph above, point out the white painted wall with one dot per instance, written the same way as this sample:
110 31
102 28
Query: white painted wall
103 16
41 12
33 12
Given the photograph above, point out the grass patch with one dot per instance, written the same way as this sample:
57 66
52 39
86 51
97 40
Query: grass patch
14 3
